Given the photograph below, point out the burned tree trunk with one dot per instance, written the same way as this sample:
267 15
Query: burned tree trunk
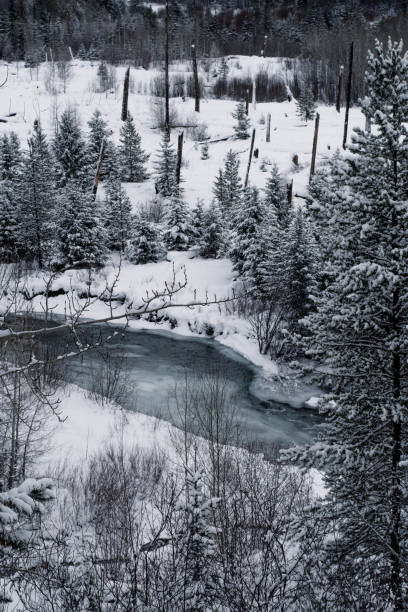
196 81
315 137
250 159
268 128
125 99
166 71
179 156
99 170
348 99
339 89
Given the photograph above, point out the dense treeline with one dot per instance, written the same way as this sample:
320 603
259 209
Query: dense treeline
116 31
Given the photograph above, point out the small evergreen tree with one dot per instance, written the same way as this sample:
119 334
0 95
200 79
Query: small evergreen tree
98 132
197 221
228 186
131 155
81 237
248 218
145 243
38 198
103 77
242 126
165 165
10 156
177 224
69 150
199 543
276 198
10 232
306 106
118 210
212 243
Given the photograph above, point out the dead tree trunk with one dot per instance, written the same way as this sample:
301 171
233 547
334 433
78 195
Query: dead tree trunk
250 158
348 99
179 156
247 102
268 128
166 71
99 170
339 89
125 95
265 45
196 81
289 191
315 137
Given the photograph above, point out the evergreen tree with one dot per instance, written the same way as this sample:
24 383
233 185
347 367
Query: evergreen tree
10 156
359 333
98 132
177 224
38 198
247 220
242 126
259 267
145 243
118 210
10 234
103 77
228 186
131 155
166 184
199 542
81 237
276 198
69 149
197 221
212 243
306 107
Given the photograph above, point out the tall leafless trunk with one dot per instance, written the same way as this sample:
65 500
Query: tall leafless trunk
196 81
315 137
250 158
268 128
247 102
179 156
289 191
166 70
339 89
348 99
125 98
99 170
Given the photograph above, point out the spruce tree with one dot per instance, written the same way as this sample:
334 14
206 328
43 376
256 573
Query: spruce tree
145 242
359 333
69 150
228 186
10 233
212 242
197 222
98 132
177 224
38 197
10 156
131 155
306 107
81 237
165 166
247 220
198 539
242 122
275 197
117 209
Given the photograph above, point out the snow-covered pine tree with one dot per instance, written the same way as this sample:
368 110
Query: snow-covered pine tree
228 186
276 197
177 224
247 221
81 237
165 166
306 107
242 122
69 149
10 232
131 155
197 222
10 156
212 242
201 579
37 199
359 333
98 132
145 242
117 215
